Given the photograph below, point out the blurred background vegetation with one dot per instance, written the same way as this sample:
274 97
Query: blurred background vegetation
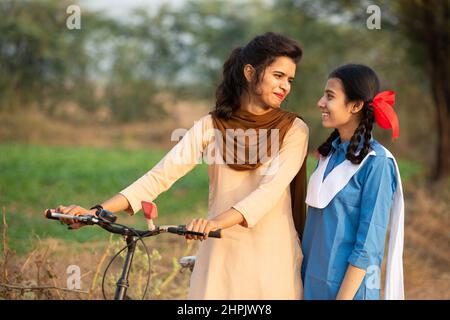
84 112
122 70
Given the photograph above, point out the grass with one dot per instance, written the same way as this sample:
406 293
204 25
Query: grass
33 178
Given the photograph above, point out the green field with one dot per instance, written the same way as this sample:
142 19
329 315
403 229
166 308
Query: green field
33 178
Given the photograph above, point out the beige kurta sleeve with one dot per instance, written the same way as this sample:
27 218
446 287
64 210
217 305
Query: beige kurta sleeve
290 158
183 157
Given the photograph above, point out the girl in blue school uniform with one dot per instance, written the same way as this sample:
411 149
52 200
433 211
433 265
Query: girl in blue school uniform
355 195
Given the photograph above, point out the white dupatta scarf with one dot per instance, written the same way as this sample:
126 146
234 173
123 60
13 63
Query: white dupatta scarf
321 192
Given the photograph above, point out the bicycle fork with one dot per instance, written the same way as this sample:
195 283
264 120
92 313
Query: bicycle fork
123 284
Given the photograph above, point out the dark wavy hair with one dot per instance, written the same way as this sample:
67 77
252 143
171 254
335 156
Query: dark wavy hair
361 84
260 52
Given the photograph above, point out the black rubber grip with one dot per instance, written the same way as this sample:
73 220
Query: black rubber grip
181 230
48 215
215 234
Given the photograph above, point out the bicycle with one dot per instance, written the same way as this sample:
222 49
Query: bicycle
107 220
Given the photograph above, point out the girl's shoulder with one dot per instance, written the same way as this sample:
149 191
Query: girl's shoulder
379 150
381 164
206 120
380 159
204 123
299 127
297 133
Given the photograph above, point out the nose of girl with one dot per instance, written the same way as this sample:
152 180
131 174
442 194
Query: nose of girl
284 86
321 103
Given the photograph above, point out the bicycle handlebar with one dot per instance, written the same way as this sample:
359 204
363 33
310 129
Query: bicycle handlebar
106 220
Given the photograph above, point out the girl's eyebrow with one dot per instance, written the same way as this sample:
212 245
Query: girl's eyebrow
329 91
282 73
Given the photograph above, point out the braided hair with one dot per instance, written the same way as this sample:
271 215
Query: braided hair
360 84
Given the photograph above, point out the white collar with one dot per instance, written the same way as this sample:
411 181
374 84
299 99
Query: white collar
321 191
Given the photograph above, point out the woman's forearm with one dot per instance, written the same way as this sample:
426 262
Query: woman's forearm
116 204
229 218
352 281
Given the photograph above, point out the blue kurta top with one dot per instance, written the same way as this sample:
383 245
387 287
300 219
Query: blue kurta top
351 229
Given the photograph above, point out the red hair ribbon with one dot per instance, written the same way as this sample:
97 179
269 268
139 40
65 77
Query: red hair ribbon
385 115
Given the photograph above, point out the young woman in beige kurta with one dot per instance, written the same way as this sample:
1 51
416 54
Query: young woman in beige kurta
258 256
261 261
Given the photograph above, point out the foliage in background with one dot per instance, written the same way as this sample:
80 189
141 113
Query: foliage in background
126 69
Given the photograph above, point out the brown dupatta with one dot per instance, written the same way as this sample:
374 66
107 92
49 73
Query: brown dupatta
274 119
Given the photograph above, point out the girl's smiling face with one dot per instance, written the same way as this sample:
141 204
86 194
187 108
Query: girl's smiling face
337 112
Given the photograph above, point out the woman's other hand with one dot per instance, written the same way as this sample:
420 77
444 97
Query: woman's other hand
201 225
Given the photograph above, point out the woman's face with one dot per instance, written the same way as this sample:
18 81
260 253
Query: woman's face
336 111
276 82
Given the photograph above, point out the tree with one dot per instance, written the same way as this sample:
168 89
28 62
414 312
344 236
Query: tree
423 26
426 24
42 62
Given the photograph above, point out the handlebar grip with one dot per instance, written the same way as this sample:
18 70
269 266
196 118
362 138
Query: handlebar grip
215 234
48 215
181 230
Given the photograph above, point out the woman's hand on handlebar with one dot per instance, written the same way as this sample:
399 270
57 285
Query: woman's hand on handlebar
74 210
201 225
224 220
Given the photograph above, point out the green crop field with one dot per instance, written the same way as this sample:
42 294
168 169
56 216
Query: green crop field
33 178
